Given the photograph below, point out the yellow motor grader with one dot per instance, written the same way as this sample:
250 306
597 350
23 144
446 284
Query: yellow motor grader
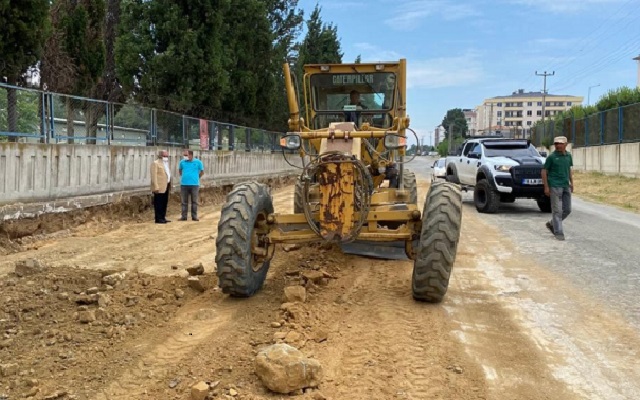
353 190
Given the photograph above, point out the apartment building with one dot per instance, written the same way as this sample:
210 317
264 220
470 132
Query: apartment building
518 112
472 118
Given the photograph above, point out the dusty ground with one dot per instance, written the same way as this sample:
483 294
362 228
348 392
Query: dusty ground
156 336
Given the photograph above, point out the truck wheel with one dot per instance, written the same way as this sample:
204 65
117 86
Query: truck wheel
544 204
436 252
485 198
298 197
410 184
452 175
242 253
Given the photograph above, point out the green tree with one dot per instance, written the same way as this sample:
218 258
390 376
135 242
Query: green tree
22 34
455 121
248 46
286 22
321 44
170 55
76 48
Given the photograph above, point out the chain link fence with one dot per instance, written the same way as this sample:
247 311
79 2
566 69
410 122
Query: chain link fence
618 125
35 116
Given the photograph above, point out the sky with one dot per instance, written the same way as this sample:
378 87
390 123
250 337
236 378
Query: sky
460 52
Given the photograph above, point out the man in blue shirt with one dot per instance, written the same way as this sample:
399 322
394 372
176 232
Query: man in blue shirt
191 170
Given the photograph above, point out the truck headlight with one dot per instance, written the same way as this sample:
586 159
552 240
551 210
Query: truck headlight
502 168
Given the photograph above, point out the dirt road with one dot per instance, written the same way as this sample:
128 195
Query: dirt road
508 329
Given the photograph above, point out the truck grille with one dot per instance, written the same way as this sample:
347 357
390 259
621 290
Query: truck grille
521 172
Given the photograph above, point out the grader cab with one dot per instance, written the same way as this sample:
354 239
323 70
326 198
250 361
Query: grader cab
353 190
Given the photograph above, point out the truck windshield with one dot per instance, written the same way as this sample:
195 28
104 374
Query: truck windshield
331 92
503 150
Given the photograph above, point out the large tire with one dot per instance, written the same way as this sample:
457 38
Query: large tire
242 227
298 197
452 175
544 204
436 253
485 198
411 185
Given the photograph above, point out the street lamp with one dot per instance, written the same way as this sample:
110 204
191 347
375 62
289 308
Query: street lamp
589 94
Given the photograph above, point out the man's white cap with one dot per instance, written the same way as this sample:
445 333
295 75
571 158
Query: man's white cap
560 139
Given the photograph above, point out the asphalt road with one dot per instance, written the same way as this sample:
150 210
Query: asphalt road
601 253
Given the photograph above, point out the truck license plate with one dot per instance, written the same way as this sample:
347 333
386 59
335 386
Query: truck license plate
532 181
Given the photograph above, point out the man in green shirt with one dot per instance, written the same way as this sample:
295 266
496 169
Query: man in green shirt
557 177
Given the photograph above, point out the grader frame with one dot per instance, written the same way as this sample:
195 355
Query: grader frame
353 185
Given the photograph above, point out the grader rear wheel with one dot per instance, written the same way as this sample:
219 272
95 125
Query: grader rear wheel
436 253
243 254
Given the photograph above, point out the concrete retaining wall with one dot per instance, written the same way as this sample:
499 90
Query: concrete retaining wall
617 159
62 174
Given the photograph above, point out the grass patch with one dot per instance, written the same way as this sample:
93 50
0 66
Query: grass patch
615 190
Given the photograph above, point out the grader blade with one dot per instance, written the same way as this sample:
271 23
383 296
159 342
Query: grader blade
379 250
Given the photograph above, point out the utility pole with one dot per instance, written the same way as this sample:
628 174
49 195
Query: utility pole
451 126
589 94
544 99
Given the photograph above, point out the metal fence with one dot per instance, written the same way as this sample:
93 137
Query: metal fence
45 117
618 125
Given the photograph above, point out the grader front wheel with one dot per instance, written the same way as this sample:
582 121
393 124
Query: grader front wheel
436 253
243 254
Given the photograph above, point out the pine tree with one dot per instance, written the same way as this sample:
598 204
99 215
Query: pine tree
22 34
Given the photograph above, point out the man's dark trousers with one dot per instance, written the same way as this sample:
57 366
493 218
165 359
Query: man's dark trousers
160 203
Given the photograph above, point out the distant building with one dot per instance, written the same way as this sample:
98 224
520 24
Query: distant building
472 119
514 115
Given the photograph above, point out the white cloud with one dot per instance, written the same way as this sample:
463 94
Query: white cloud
411 12
372 53
563 6
459 71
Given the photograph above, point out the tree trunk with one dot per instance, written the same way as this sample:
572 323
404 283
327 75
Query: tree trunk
91 122
12 112
70 118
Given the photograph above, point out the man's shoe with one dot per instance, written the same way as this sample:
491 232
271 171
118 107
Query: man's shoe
560 236
549 227
161 222
183 219
166 221
195 219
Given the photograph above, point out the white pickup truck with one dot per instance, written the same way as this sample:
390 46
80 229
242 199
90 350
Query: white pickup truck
499 170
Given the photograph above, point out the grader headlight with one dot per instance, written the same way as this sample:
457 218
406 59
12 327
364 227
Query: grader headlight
291 142
394 142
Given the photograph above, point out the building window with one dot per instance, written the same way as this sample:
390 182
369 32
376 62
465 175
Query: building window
519 104
539 113
529 123
499 114
569 104
548 103
539 104
529 113
530 103
499 104
547 113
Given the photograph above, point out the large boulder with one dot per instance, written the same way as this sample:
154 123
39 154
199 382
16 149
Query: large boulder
284 369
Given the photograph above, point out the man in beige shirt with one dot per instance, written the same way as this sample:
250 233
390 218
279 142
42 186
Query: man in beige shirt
161 186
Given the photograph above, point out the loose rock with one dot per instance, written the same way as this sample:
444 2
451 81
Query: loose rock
196 270
195 284
284 369
295 293
199 391
28 267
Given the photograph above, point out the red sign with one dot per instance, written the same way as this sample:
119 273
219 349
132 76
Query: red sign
204 134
